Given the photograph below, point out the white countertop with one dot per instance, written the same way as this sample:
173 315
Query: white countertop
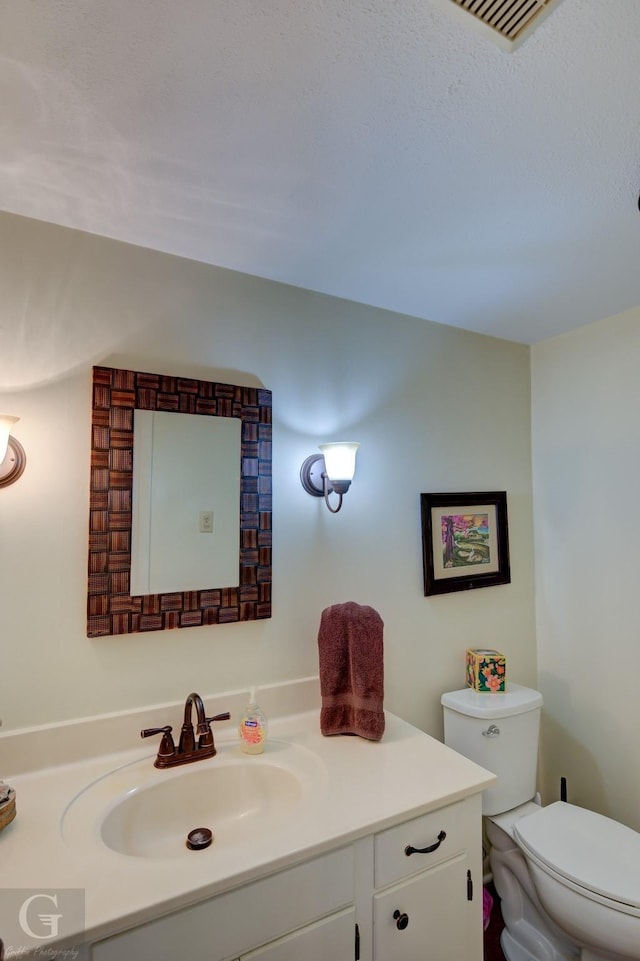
362 787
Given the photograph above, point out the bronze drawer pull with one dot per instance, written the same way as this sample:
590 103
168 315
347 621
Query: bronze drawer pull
409 850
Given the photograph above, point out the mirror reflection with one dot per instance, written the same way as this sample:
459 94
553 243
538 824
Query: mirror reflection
186 502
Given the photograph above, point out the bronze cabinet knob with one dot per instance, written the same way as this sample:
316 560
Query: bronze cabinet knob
401 919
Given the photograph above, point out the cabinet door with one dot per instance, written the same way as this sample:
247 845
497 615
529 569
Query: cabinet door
332 938
431 923
234 923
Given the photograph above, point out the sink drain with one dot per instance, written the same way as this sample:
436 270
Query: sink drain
199 839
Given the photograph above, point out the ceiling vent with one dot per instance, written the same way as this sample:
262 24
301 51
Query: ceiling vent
508 22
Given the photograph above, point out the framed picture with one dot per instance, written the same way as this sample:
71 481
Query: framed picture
465 541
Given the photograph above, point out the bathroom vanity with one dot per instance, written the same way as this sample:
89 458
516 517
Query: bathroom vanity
366 899
324 848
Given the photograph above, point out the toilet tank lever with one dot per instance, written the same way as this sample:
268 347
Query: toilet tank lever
492 731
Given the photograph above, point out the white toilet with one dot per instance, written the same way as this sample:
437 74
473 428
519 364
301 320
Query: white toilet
568 879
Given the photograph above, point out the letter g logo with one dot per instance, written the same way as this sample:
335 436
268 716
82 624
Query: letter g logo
48 921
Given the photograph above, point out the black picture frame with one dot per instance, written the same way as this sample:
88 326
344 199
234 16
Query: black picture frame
465 541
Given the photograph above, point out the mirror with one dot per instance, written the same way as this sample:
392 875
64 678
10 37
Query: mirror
185 525
113 607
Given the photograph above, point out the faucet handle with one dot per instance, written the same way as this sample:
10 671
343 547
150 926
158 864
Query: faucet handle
206 735
225 716
167 747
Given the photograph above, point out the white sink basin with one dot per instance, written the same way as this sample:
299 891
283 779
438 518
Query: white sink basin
143 812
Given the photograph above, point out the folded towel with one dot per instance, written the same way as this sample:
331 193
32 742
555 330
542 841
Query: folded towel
351 671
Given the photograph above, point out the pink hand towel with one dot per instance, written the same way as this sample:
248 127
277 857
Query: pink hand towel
351 671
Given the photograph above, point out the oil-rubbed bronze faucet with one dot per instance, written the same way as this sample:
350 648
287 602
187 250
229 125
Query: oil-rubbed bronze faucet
187 750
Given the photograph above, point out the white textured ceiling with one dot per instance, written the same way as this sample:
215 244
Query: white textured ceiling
380 150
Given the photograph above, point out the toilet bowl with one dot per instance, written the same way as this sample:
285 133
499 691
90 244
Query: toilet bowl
568 878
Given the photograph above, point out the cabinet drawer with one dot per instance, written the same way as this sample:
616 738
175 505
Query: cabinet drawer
460 823
232 924
333 937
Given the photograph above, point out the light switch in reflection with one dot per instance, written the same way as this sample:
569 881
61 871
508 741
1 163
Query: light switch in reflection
206 522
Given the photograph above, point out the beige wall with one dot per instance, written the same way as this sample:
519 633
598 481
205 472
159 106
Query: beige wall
586 453
435 409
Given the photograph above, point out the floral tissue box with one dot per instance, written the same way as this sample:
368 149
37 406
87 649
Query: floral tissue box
486 671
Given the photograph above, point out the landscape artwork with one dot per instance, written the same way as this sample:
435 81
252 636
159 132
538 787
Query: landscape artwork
465 541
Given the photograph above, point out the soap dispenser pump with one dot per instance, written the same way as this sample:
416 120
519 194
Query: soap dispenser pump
253 727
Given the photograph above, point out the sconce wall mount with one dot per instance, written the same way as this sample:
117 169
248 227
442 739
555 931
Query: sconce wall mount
330 472
12 453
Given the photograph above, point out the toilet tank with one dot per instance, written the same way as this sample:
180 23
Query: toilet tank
500 732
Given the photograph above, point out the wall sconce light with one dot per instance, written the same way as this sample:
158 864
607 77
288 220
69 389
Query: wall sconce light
330 471
12 455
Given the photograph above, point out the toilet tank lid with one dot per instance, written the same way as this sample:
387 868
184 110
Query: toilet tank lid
515 700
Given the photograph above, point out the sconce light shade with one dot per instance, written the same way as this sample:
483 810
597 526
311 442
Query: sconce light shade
330 472
340 464
12 455
6 426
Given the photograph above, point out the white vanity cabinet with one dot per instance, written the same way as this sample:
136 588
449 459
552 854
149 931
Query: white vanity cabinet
234 924
427 902
373 900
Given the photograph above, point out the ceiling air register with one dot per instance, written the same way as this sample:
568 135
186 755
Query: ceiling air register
509 22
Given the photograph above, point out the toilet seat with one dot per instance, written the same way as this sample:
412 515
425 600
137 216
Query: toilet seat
592 853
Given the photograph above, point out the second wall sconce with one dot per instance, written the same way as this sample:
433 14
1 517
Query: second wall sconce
12 455
330 472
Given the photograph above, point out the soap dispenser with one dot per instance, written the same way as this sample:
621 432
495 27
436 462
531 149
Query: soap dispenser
253 727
